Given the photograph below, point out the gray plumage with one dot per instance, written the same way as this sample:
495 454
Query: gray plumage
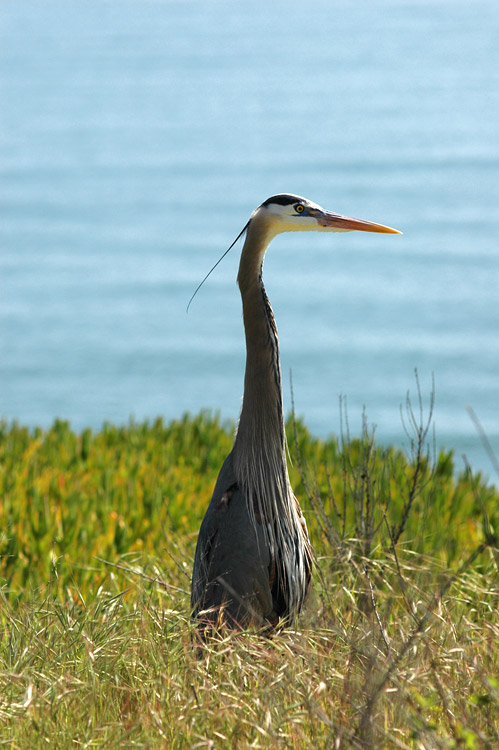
253 558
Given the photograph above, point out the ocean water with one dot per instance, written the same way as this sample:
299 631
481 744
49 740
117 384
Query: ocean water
137 137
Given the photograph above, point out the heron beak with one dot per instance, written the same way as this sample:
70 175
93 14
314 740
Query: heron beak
347 224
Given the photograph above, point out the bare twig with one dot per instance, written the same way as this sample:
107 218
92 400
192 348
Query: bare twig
420 432
142 575
483 437
375 608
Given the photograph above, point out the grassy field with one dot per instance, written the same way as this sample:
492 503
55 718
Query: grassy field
397 647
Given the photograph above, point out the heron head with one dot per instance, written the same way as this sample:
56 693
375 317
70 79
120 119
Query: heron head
292 213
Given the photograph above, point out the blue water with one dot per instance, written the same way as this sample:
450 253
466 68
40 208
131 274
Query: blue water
137 137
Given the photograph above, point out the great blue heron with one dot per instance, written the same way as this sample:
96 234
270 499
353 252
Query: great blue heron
253 557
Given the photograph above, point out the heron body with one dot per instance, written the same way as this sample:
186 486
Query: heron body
253 558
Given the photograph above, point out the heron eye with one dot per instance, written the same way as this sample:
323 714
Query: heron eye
299 208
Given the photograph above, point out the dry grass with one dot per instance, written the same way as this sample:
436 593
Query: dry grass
397 648
417 670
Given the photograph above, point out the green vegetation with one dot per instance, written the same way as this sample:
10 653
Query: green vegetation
397 648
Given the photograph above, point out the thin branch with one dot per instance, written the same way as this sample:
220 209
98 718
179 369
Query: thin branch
375 608
483 437
142 575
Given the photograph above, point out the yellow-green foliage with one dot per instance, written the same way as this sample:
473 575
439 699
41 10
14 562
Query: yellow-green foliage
67 498
397 646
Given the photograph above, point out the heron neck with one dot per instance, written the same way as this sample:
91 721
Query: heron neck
261 424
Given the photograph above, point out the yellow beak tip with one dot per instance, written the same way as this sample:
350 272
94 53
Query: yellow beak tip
390 230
